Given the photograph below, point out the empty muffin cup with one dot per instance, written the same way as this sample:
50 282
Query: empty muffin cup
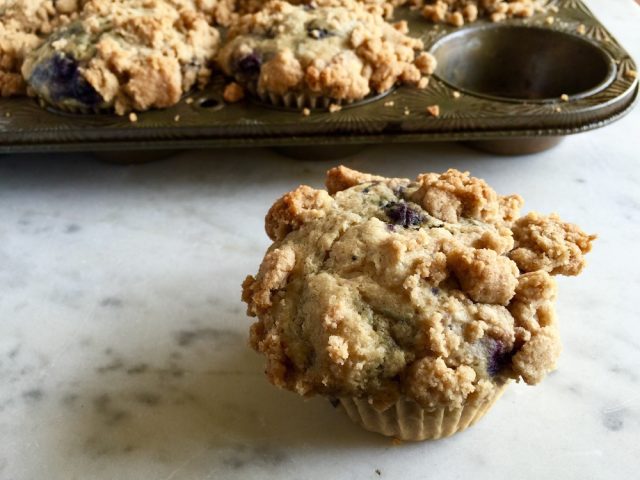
300 100
522 63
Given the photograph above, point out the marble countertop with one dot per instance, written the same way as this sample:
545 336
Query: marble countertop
123 339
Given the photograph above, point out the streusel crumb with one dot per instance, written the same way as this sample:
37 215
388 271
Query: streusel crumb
459 12
233 93
433 110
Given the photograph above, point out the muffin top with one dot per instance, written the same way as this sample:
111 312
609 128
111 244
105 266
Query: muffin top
457 12
24 25
340 50
124 54
433 289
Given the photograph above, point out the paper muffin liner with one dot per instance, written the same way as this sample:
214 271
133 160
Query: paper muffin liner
407 420
65 108
300 100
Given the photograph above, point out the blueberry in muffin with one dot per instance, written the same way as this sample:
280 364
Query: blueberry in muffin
340 54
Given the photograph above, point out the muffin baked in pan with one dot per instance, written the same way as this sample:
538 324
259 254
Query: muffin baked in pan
293 55
135 55
123 55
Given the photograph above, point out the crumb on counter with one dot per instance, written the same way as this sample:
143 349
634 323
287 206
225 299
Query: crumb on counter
389 103
407 111
133 117
433 110
176 118
564 97
333 108
233 93
189 101
456 94
549 20
306 112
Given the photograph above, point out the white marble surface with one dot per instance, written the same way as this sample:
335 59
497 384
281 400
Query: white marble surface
123 339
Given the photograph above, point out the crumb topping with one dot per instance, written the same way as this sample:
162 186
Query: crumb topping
382 288
335 49
456 194
547 243
459 12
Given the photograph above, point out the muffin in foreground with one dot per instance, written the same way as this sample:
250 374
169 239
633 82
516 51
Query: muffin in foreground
414 303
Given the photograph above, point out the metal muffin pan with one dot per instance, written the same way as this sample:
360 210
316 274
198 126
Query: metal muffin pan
498 86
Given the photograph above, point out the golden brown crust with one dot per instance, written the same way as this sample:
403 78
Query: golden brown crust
538 356
366 294
532 306
280 74
269 343
484 275
295 208
340 178
455 194
431 382
547 243
509 207
273 273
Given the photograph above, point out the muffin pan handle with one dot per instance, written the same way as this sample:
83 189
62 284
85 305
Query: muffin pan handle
525 82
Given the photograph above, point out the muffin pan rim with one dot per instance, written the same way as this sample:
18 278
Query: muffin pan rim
26 127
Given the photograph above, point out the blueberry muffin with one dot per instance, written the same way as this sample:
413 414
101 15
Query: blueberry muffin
411 303
302 54
217 12
24 25
123 55
457 12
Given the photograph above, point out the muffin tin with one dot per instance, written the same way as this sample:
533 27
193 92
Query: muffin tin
514 87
